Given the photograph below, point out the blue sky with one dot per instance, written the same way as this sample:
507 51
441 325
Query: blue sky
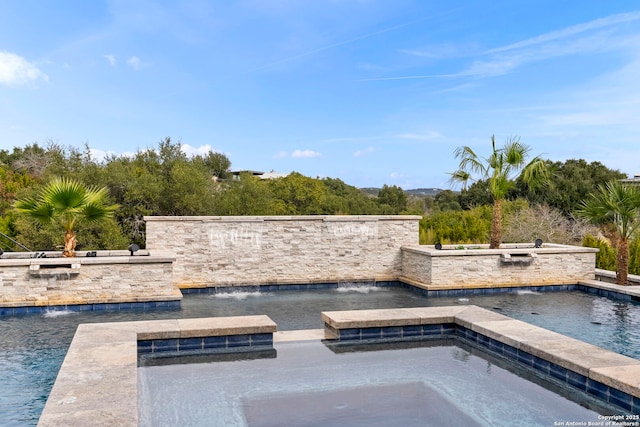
369 91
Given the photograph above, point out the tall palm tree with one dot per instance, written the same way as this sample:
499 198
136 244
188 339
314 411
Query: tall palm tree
67 202
618 204
500 170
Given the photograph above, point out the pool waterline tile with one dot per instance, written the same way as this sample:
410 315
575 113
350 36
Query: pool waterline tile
621 378
592 287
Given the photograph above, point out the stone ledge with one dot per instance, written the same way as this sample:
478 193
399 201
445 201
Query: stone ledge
343 218
459 286
175 295
97 383
626 290
98 260
606 367
483 250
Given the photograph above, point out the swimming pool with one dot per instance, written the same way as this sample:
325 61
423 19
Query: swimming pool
33 346
408 384
607 323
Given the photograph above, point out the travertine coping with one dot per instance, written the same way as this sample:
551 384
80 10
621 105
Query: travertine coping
632 290
98 382
609 368
325 218
104 257
505 248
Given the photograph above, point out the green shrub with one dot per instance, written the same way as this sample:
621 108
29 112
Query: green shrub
634 255
606 257
456 226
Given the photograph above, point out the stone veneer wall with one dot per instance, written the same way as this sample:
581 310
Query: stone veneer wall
92 280
511 265
225 251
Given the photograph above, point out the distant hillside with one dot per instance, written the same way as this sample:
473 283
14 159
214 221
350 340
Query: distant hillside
424 191
420 192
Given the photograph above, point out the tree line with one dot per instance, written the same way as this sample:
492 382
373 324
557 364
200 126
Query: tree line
164 181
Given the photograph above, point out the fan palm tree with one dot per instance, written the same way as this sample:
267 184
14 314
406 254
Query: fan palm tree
618 204
499 170
67 202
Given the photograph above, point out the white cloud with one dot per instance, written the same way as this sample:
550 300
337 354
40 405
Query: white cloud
360 153
16 71
281 155
195 151
135 62
111 59
305 154
99 155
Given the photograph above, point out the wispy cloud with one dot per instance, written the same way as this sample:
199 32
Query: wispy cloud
593 36
341 43
134 62
17 71
571 31
360 153
419 136
440 51
425 76
305 154
111 59
281 155
606 102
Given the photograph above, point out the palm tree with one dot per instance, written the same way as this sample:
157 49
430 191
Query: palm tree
618 204
67 202
499 171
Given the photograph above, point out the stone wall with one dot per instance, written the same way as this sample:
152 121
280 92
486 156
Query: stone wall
512 265
92 280
224 251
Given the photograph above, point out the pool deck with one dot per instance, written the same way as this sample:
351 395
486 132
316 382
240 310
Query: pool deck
97 383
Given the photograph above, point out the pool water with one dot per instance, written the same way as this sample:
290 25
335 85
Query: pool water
32 347
309 385
610 324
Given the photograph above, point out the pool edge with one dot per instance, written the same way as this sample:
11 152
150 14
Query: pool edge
103 357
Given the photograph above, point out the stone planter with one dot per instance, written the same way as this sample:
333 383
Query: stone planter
101 277
477 266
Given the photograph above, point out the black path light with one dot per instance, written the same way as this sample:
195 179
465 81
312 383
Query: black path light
133 248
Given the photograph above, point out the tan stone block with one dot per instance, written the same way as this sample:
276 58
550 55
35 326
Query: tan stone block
473 314
370 318
217 326
625 378
576 355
